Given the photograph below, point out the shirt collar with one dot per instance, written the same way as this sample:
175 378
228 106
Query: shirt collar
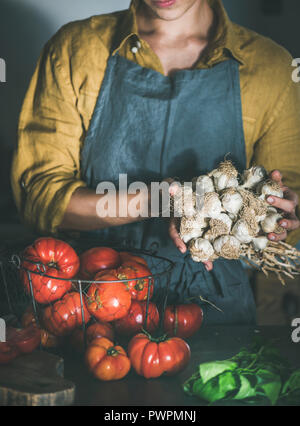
226 37
128 26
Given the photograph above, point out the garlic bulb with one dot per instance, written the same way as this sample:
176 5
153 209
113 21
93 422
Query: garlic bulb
232 201
260 218
270 223
225 176
208 235
218 227
269 188
223 219
184 202
194 233
201 250
221 225
242 232
271 209
254 207
253 177
227 246
222 182
260 243
191 228
212 206
203 184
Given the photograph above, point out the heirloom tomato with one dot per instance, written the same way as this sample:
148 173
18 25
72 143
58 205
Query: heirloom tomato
26 340
134 321
137 284
19 341
126 256
58 260
65 315
183 320
94 331
98 259
7 352
108 301
48 340
152 357
106 361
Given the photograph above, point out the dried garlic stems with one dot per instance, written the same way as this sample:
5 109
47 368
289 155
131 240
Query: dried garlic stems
277 257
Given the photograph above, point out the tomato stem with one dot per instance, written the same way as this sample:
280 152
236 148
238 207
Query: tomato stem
159 339
112 351
140 285
53 265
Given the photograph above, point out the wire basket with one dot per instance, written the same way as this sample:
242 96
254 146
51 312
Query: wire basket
71 312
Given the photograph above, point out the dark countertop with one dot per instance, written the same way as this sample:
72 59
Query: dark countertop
210 343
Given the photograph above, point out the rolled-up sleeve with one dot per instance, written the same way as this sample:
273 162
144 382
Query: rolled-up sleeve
279 147
46 163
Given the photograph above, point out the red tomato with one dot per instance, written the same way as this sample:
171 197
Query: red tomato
98 259
48 340
183 320
126 256
134 321
106 361
153 357
94 331
108 301
60 261
138 287
65 315
7 353
19 341
26 340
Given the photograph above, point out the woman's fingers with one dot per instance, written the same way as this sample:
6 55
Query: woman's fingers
208 266
277 237
290 223
277 177
287 205
175 237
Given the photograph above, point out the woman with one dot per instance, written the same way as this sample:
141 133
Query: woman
165 89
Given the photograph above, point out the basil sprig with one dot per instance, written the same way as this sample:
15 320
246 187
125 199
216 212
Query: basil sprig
255 375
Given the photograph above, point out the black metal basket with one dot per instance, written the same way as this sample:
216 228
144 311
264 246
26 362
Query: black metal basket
14 300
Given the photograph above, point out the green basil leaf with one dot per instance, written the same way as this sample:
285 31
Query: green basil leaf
270 384
188 385
218 387
209 370
247 390
293 383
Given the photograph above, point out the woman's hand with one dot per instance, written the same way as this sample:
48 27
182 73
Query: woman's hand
173 230
288 205
175 237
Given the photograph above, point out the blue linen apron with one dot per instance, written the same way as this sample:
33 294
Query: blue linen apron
150 126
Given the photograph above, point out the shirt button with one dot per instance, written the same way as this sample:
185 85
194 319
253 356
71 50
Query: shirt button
134 50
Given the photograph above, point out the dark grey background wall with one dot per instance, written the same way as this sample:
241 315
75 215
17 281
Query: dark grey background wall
25 25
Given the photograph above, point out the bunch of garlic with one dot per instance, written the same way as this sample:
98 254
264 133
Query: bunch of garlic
226 211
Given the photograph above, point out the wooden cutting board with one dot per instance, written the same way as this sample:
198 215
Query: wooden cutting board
36 379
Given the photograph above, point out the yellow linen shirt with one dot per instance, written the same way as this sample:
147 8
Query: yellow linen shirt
59 104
